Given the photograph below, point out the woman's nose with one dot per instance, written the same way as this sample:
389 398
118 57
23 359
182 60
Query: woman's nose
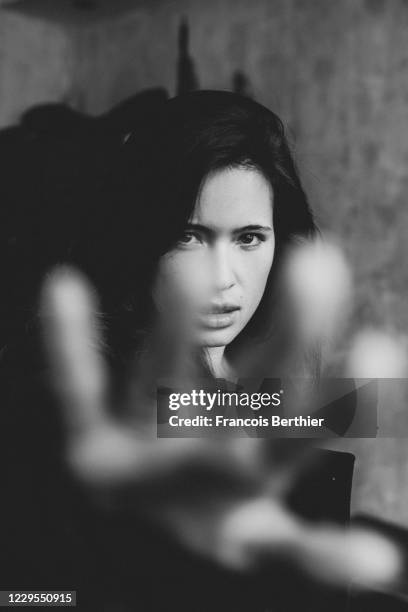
223 269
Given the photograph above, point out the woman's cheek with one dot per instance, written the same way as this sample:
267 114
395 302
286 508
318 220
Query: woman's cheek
189 275
181 280
259 263
256 276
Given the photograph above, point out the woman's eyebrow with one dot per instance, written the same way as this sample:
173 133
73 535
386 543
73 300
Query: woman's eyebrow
252 228
245 228
198 227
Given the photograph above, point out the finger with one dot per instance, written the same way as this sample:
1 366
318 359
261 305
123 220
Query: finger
73 340
264 528
313 291
356 555
319 287
161 473
377 354
171 356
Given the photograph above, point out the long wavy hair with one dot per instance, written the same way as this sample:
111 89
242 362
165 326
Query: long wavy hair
152 191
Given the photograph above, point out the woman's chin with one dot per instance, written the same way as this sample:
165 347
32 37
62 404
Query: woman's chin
217 337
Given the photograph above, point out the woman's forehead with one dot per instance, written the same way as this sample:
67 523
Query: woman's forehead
234 197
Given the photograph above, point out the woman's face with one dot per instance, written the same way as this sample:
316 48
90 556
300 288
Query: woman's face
219 268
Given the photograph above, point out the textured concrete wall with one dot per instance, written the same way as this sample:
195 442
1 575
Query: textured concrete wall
335 70
52 52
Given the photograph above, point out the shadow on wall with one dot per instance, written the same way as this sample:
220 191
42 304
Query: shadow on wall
187 79
49 161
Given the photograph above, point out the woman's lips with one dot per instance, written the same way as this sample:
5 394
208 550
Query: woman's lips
219 317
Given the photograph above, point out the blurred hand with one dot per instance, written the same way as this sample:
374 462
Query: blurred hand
239 517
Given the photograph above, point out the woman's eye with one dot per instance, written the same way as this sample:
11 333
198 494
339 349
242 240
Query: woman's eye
251 239
188 239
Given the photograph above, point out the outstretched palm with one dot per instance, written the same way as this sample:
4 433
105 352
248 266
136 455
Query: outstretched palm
239 515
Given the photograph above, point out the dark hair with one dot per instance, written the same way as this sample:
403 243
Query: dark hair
160 169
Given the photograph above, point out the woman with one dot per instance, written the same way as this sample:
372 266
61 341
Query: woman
184 246
210 186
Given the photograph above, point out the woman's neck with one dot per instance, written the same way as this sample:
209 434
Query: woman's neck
218 362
